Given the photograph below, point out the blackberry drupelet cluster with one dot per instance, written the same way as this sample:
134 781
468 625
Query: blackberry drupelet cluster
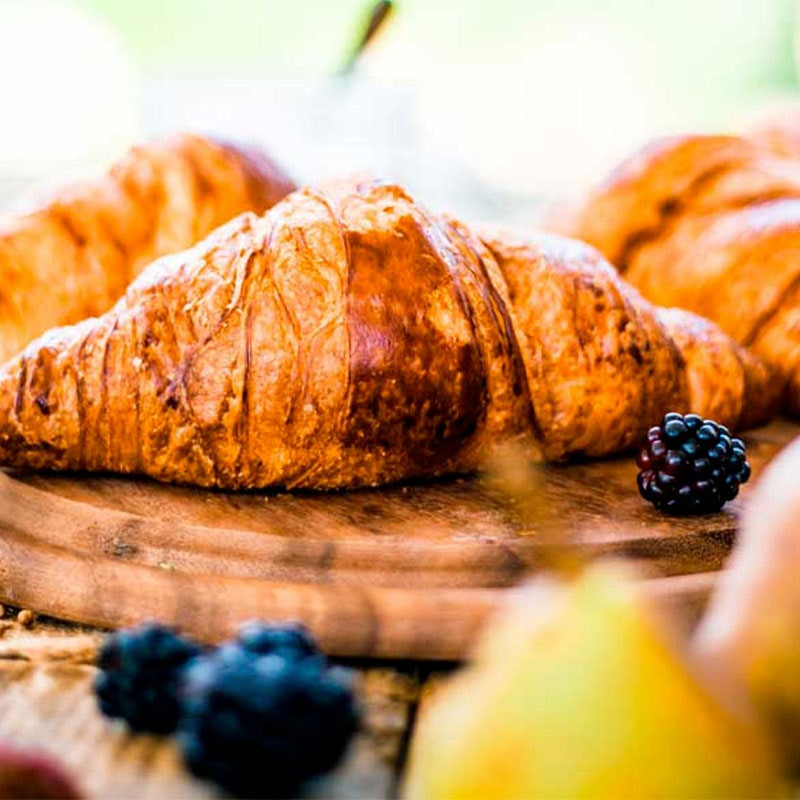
259 716
139 674
265 713
690 465
290 641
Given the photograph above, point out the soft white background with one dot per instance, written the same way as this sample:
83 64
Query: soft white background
481 107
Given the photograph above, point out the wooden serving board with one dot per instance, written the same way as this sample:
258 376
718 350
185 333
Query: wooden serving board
407 571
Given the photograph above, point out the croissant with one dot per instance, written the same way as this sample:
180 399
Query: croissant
349 337
74 257
711 224
779 132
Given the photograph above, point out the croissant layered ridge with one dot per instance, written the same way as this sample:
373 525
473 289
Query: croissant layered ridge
603 363
710 224
74 256
350 337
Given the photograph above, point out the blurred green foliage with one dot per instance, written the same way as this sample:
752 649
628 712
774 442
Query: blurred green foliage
238 35
746 43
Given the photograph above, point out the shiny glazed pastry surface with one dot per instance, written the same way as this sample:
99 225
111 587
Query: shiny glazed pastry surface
74 257
712 224
350 337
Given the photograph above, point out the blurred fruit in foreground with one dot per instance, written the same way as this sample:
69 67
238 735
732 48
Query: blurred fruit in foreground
578 692
140 669
32 774
266 713
750 634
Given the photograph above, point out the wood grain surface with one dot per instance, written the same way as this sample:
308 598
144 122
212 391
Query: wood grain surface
407 571
47 704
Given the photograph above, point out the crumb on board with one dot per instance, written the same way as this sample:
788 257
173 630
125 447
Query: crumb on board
20 616
26 617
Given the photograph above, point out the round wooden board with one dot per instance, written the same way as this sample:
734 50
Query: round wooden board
407 571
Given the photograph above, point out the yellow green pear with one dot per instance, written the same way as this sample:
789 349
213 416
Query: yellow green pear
750 633
578 692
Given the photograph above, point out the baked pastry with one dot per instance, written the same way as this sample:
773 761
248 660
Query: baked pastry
74 257
602 363
712 224
779 132
349 337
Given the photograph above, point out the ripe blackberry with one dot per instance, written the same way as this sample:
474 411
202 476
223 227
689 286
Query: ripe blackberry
690 465
291 640
261 725
139 673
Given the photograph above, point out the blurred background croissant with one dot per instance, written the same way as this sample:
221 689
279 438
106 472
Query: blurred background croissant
480 108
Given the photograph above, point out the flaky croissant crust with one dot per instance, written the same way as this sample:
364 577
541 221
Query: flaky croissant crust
74 256
712 224
350 337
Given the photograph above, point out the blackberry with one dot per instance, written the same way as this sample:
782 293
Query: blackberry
260 725
292 641
139 674
690 465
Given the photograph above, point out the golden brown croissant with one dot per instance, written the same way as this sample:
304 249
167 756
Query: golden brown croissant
779 132
74 257
349 337
712 224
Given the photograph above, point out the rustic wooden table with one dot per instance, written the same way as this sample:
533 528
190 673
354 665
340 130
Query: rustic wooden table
46 702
